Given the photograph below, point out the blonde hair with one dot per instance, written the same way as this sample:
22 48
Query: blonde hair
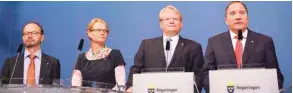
170 7
96 20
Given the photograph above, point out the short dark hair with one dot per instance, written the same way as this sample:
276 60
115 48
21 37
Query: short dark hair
235 2
33 22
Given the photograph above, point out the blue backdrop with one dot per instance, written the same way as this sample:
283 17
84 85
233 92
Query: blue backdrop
65 24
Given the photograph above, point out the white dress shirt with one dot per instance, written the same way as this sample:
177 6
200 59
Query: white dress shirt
234 40
173 44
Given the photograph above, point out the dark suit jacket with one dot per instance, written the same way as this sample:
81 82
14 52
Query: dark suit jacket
187 54
259 49
50 70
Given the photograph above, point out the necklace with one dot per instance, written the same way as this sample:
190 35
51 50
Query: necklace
96 53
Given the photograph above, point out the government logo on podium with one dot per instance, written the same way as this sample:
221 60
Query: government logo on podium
151 89
230 87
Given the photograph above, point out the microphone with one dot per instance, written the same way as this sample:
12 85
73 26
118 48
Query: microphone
168 45
240 36
80 45
79 48
19 49
167 53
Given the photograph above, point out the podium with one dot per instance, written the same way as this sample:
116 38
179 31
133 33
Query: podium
58 86
243 81
163 82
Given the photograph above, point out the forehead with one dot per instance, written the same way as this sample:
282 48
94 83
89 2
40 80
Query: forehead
235 6
99 25
31 27
169 12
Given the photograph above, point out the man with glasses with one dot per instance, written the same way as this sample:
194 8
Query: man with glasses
33 67
169 50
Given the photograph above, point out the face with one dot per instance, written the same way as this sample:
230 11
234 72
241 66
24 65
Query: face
98 32
170 21
237 17
32 36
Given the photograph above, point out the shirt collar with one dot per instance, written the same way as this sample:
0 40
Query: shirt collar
232 34
38 54
174 38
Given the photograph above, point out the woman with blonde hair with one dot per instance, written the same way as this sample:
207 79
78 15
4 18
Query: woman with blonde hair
99 63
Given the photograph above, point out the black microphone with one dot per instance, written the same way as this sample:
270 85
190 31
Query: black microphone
80 45
167 49
168 45
19 49
240 36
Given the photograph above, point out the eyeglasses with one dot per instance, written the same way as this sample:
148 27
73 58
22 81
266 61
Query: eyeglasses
168 19
34 33
100 30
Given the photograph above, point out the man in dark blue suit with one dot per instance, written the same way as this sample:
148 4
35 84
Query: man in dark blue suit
33 66
169 50
239 45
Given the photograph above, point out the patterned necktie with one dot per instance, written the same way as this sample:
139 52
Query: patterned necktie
238 52
31 71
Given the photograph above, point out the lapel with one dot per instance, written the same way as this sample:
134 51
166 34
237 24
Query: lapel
44 67
161 50
18 72
249 45
178 50
227 45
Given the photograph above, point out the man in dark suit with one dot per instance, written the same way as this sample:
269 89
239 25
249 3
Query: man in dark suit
33 67
168 51
250 50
